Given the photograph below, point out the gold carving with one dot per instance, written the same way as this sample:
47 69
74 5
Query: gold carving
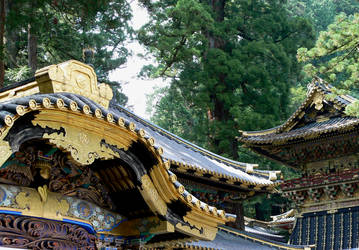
5 151
318 101
74 77
73 106
141 133
121 122
151 196
151 141
132 126
42 203
82 136
109 117
45 168
43 192
86 109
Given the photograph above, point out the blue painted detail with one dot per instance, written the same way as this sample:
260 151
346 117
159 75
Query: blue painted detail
3 195
84 209
114 226
10 212
88 227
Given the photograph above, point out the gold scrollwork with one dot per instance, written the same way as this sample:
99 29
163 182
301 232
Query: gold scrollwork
42 203
151 196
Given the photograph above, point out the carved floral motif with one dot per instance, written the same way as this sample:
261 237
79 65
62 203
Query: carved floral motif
34 167
26 232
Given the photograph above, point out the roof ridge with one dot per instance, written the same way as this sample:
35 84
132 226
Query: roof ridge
241 165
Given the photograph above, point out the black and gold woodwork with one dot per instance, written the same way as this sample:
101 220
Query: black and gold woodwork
69 159
320 141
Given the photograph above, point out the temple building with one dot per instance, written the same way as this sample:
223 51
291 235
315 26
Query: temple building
322 142
79 172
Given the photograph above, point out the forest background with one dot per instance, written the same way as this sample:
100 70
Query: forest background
231 64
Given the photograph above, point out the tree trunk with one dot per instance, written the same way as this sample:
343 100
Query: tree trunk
239 223
12 37
2 42
32 48
220 112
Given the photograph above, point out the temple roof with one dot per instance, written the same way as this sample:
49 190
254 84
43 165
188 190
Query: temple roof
316 117
64 107
183 155
229 238
187 155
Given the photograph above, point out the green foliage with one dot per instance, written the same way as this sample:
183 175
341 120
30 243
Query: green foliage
64 28
233 66
322 12
232 63
335 56
17 74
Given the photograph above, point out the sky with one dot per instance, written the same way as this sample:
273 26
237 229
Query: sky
136 88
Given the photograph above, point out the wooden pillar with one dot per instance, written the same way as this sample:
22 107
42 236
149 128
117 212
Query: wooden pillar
239 211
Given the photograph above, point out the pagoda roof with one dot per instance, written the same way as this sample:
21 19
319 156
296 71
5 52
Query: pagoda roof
316 117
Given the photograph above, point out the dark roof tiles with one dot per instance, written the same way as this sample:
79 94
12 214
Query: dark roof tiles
175 149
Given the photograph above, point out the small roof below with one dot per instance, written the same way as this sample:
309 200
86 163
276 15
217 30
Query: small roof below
229 238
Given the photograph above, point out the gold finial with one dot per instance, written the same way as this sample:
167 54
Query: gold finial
73 77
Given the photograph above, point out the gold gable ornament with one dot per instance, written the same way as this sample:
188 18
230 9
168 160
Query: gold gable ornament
73 77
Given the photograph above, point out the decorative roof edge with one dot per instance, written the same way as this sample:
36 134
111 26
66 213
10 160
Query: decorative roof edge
246 167
164 181
78 78
317 90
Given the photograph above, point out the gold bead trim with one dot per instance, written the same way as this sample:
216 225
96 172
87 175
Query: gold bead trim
60 103
151 141
8 120
121 122
98 113
20 110
109 117
141 133
32 104
132 126
86 109
46 102
73 106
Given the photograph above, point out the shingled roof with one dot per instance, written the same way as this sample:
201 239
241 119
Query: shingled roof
316 117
